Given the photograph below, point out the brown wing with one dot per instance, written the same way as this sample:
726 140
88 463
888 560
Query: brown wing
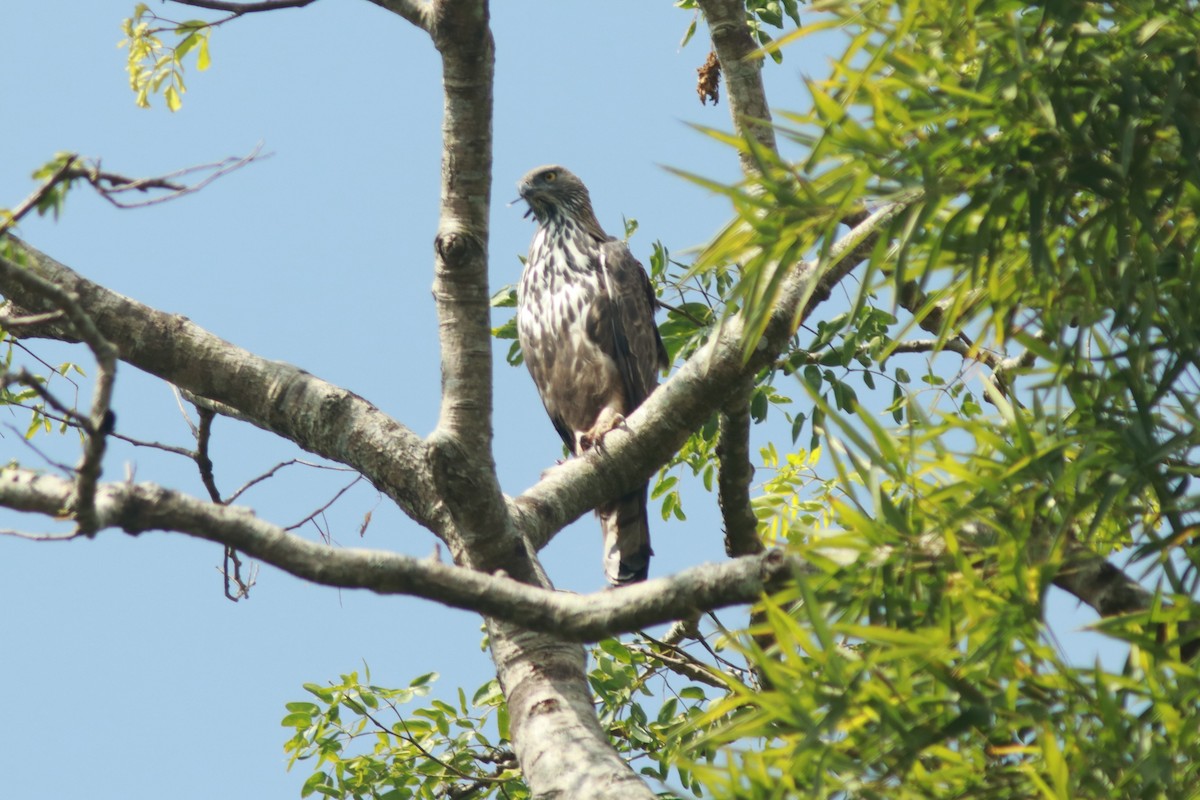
621 322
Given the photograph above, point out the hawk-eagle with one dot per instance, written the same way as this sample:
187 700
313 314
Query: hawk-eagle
585 320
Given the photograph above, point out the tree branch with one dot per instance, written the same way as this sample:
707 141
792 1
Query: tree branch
99 421
734 46
317 416
460 448
732 42
140 507
736 474
136 508
1107 590
237 9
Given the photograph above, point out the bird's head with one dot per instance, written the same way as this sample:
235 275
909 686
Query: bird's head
554 192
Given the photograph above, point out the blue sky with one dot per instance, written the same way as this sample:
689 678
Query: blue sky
127 673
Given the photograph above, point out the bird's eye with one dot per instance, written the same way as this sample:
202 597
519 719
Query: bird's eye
549 176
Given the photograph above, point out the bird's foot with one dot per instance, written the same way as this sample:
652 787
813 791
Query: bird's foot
607 422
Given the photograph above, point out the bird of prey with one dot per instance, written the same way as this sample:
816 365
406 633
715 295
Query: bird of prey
585 320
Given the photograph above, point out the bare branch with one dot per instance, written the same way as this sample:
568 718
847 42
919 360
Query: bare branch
741 61
237 587
111 185
324 507
25 378
99 418
321 418
76 420
63 468
15 324
271 473
913 299
203 461
851 249
136 508
681 662
736 474
40 537
237 9
140 507
732 45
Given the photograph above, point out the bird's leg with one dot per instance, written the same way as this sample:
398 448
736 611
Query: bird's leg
609 420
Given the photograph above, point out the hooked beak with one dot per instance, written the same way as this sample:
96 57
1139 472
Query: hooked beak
523 192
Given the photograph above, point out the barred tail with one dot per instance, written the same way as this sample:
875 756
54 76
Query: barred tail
626 538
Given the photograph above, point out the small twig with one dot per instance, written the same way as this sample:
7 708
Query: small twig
703 642
232 577
11 323
235 575
681 662
74 421
175 390
271 472
25 378
313 516
236 587
203 462
63 468
40 537
166 448
110 185
49 367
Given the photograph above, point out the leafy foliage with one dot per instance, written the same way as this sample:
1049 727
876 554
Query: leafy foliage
367 746
1008 397
1045 156
890 686
420 754
154 66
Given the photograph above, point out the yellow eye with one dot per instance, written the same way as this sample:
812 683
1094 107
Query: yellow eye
549 175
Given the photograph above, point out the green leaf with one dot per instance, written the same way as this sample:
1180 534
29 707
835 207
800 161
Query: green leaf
203 61
315 781
423 680
171 95
298 720
617 650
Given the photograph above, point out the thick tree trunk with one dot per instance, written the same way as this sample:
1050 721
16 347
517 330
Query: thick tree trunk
555 732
